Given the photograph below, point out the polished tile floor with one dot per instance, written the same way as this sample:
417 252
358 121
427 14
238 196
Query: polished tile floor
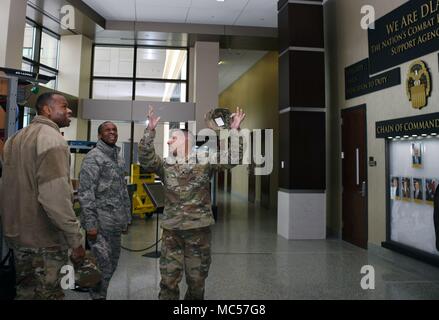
250 261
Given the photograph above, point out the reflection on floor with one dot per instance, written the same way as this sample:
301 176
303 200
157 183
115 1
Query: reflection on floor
251 262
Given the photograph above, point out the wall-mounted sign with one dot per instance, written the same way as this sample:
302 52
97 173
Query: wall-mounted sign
358 82
424 124
418 84
406 33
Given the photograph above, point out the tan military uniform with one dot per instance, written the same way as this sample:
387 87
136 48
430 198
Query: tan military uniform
37 214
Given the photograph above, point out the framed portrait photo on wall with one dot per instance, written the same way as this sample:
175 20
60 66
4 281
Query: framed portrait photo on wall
430 188
395 188
406 189
417 154
418 190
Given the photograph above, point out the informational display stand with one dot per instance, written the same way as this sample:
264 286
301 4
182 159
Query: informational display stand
412 156
156 194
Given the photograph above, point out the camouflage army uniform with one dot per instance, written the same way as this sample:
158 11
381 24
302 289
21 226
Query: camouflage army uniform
186 221
105 206
38 272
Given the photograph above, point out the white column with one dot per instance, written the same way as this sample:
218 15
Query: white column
74 65
74 79
12 23
301 215
205 79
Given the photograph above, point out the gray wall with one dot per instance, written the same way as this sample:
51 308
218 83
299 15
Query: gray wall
136 110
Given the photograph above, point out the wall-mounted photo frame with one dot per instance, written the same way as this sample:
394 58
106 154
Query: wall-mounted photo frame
411 226
417 154
395 188
430 188
406 191
418 190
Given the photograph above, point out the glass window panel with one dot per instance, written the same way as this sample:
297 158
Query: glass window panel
161 63
159 141
49 50
112 90
160 91
139 129
51 84
28 115
26 67
29 41
113 62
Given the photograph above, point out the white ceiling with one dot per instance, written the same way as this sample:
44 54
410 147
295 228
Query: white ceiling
260 13
235 64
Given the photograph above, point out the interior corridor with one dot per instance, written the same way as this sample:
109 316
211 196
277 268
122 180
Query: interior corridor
250 261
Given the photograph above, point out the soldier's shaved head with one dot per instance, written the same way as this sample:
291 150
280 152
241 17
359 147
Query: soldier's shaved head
181 142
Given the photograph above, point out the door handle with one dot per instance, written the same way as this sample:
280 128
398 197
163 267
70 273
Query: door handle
363 189
357 166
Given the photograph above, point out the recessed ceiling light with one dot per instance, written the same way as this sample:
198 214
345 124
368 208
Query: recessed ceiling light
220 0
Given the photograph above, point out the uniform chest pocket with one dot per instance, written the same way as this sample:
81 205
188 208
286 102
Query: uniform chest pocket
198 176
110 178
171 179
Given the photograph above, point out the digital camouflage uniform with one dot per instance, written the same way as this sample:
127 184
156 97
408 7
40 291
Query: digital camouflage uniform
105 206
186 221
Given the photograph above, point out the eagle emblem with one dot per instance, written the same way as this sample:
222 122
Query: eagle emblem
418 84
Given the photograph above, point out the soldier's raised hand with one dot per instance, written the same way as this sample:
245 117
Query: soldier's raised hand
237 117
153 119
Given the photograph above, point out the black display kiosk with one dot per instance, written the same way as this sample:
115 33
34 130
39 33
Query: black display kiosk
156 194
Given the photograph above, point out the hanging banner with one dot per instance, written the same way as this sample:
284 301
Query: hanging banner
406 33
